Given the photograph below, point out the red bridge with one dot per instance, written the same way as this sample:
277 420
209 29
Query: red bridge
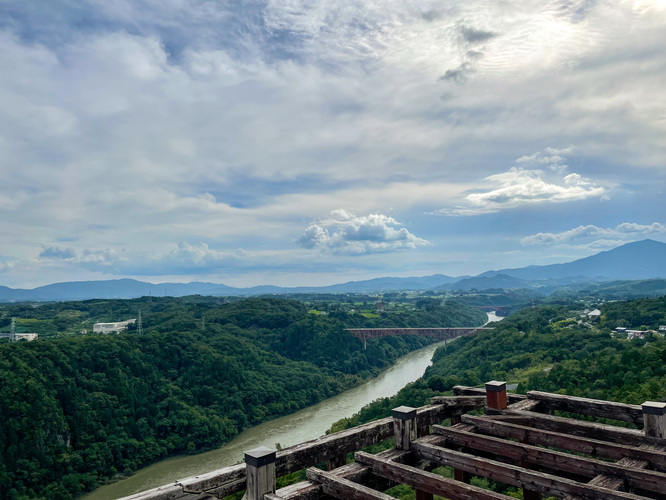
439 333
499 309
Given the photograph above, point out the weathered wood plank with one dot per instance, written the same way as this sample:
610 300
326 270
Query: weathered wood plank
319 450
517 476
344 489
226 489
308 490
565 442
425 481
462 390
459 400
593 407
214 479
519 453
591 430
525 405
167 492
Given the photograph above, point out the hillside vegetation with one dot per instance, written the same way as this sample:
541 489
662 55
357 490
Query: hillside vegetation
75 411
545 348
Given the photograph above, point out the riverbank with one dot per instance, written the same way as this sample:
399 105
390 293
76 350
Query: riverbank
306 424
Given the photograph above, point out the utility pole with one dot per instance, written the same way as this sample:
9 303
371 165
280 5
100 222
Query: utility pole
139 325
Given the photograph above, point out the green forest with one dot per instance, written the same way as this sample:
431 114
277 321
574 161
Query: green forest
79 410
545 348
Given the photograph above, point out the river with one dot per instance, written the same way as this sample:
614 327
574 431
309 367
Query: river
308 423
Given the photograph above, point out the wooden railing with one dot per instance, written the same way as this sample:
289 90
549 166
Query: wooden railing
516 440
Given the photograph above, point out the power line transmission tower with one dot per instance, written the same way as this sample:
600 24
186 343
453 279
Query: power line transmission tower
139 325
203 322
12 331
380 303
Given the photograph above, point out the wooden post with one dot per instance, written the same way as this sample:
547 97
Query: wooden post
404 426
496 395
460 475
260 472
654 417
496 399
405 430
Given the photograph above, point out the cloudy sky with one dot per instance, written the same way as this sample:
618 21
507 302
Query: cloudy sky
307 142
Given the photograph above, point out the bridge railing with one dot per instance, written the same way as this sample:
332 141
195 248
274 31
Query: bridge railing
439 333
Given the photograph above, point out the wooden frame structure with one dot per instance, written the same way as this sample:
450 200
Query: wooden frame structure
518 441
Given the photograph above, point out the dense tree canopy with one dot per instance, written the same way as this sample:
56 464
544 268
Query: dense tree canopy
79 409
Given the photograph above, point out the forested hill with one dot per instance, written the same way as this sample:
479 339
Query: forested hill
77 410
546 348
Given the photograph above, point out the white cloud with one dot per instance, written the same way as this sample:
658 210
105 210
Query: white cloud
602 236
348 234
127 125
519 187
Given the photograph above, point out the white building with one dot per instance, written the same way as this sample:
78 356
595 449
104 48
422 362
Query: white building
109 328
20 336
596 314
635 334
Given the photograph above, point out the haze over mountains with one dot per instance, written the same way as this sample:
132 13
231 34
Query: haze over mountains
633 261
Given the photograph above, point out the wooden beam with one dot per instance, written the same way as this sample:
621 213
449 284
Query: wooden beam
592 407
517 476
525 405
550 459
565 442
308 490
426 481
591 430
477 400
462 390
344 489
168 492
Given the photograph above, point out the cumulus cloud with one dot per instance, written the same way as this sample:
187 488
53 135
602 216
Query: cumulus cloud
602 236
348 234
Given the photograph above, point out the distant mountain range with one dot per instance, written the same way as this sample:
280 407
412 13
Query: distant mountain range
633 261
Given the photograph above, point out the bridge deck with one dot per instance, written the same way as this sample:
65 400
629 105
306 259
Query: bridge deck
439 333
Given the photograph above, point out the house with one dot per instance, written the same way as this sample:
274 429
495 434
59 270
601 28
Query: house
662 328
109 328
595 314
635 334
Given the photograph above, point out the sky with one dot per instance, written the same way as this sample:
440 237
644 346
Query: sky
312 142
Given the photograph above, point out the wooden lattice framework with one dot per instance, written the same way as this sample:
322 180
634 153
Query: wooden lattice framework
518 441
